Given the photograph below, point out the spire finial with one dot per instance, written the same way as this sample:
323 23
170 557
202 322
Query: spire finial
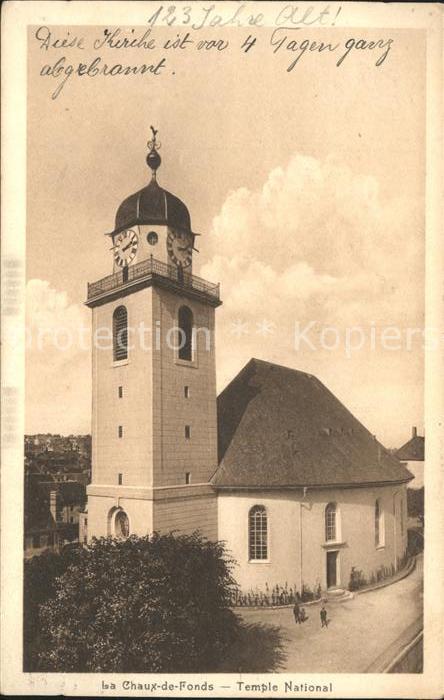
153 158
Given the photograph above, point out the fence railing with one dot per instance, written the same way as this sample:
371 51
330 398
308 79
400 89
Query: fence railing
152 268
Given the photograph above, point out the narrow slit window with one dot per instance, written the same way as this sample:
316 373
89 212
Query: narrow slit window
187 432
120 431
186 392
120 479
188 477
120 392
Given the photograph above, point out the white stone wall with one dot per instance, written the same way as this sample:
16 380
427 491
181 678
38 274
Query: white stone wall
102 507
187 514
174 454
297 549
154 451
130 455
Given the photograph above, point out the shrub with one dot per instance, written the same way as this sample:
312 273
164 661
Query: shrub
357 579
149 604
39 585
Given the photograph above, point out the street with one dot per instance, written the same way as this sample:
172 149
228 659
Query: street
358 632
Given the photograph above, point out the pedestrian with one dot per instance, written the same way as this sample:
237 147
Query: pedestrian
323 613
296 613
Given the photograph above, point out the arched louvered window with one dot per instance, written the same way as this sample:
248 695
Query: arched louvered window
120 333
330 522
258 533
185 324
379 524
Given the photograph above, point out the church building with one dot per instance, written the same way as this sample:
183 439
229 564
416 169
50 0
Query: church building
276 466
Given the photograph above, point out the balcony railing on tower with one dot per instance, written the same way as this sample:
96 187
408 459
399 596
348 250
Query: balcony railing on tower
152 268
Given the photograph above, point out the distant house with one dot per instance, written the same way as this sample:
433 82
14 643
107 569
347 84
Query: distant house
52 514
412 455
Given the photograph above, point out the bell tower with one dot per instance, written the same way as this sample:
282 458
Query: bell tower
154 431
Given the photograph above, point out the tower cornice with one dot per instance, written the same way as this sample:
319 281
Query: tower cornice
149 273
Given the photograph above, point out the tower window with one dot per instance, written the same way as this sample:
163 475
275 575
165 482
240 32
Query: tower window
186 392
185 341
120 333
152 238
188 477
120 431
120 392
120 479
187 432
257 533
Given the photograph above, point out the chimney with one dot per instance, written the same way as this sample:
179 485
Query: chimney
414 432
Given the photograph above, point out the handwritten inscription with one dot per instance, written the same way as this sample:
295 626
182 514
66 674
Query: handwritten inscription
70 55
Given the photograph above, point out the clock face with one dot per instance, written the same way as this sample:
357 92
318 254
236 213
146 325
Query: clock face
180 246
125 247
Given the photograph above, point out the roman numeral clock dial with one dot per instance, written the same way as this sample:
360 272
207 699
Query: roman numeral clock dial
180 246
125 247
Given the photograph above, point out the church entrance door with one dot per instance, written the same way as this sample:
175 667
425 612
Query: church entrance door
332 561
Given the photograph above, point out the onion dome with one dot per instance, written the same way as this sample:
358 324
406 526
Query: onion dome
152 204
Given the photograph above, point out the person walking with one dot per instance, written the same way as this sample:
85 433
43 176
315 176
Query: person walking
296 613
323 614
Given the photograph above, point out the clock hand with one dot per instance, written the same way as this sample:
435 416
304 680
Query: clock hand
127 246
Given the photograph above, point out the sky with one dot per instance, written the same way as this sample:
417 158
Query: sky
307 187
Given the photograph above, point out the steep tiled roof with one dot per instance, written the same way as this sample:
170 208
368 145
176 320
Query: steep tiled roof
279 427
413 450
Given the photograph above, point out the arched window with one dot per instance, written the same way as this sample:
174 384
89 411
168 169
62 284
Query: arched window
121 525
330 522
120 333
185 324
379 524
258 533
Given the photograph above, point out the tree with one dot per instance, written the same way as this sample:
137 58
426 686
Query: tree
146 604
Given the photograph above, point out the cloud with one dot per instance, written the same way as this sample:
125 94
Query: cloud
318 235
320 243
58 366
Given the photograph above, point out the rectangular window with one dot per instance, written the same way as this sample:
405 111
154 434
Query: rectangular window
186 392
330 523
188 477
71 520
120 431
120 392
187 432
120 479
